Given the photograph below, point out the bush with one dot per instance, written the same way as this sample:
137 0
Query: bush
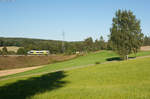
21 51
97 63
4 50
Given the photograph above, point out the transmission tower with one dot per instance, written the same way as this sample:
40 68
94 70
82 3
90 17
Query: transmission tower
63 41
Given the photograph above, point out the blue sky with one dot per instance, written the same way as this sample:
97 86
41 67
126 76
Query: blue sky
79 19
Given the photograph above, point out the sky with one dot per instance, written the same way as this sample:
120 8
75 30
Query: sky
79 19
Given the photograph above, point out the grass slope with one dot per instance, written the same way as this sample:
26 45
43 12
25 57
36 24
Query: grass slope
88 59
117 80
14 62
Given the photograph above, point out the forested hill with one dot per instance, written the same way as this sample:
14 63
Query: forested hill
54 46
21 41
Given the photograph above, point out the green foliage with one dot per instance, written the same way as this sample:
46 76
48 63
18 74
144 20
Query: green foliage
21 51
4 50
126 33
88 44
102 43
55 47
109 45
146 41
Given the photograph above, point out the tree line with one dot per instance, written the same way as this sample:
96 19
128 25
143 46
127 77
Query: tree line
54 46
146 41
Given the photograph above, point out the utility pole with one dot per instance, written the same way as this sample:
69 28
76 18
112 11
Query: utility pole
63 41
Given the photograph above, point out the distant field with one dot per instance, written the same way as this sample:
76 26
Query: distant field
145 48
116 80
11 48
12 62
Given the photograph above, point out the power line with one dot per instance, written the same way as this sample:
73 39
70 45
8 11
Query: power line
63 41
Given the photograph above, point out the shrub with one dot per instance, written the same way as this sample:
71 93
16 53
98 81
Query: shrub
21 51
4 50
97 62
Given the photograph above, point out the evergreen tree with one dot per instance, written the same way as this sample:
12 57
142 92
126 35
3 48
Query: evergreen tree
1 42
88 44
96 45
109 45
126 33
102 43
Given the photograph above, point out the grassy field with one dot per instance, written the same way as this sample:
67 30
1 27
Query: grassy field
89 59
142 53
116 80
11 48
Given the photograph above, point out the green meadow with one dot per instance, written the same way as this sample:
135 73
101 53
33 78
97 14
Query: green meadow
111 80
88 59
119 80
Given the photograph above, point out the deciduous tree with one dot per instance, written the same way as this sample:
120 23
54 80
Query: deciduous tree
126 35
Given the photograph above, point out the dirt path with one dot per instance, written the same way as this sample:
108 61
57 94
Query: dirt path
14 71
23 69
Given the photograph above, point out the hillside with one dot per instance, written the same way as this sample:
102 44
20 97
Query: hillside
82 61
85 60
54 46
12 62
115 80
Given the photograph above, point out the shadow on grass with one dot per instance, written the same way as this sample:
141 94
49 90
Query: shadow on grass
23 89
118 58
114 59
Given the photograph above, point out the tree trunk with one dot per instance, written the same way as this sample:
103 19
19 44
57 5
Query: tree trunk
126 57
